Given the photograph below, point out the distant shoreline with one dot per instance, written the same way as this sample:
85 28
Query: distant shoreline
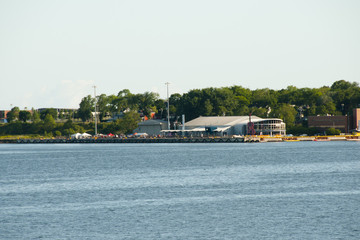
245 139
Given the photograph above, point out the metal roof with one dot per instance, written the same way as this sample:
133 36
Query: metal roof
152 122
220 121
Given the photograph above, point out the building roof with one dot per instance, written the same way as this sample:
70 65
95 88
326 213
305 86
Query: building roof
220 121
152 122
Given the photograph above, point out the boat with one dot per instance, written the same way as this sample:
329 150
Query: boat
291 140
321 139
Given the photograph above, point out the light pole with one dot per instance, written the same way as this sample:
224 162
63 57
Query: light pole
95 110
168 106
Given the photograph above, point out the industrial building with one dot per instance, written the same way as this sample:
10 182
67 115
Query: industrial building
151 127
345 124
322 123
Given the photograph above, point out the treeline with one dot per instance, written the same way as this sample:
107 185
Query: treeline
292 105
48 127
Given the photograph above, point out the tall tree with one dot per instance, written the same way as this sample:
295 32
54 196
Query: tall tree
24 115
13 114
35 117
285 112
86 108
52 111
49 123
102 106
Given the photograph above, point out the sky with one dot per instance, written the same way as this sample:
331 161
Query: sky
52 52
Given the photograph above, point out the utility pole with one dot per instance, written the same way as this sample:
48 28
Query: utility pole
168 106
95 110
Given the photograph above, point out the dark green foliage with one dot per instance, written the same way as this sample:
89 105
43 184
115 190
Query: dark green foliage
285 112
24 116
48 111
49 123
35 117
13 114
86 107
124 125
299 129
332 131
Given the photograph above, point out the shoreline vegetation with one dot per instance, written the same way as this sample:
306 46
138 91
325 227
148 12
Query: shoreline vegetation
120 114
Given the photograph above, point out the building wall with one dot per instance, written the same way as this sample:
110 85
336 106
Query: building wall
262 126
3 114
356 118
239 129
270 127
325 122
150 129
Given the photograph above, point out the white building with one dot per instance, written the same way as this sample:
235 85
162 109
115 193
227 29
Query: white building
231 125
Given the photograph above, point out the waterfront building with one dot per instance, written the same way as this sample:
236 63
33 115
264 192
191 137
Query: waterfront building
230 126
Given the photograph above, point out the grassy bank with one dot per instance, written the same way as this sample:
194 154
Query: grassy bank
27 136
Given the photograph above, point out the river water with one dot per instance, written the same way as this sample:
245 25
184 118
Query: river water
290 190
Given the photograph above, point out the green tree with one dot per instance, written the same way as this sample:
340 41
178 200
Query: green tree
285 112
192 104
86 108
57 133
146 102
208 108
175 104
160 105
52 111
129 122
259 112
49 123
346 95
24 115
35 117
102 106
13 114
332 131
241 106
264 98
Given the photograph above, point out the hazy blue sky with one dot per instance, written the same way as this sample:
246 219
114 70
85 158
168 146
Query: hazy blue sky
53 51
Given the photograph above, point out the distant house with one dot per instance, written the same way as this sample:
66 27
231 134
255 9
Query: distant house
151 127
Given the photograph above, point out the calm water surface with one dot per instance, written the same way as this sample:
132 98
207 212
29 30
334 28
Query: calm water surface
301 190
